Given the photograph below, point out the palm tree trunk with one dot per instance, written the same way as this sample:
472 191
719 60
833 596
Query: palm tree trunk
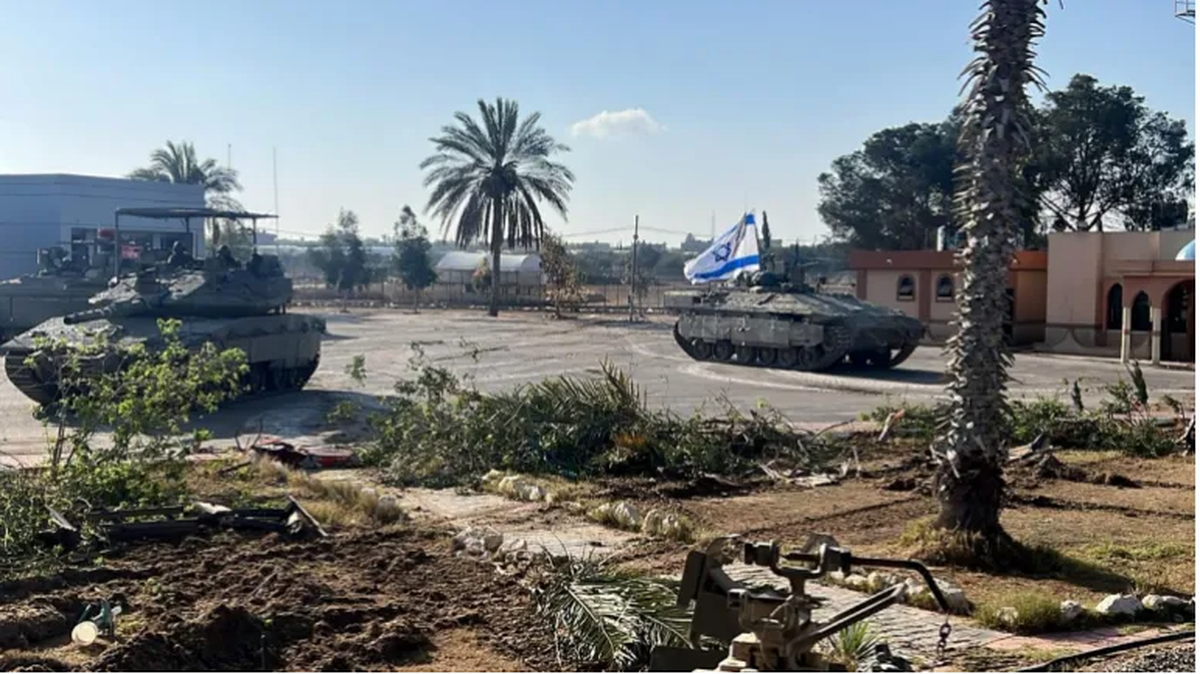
497 232
973 451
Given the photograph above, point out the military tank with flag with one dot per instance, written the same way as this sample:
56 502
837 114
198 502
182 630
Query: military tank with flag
747 316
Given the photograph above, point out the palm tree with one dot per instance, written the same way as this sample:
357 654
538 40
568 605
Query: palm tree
995 144
488 178
177 163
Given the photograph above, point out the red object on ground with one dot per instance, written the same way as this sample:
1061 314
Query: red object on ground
305 457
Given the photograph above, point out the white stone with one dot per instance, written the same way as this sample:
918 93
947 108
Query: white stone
626 515
1069 610
955 596
1119 604
856 582
531 493
510 485
1154 602
492 476
1008 615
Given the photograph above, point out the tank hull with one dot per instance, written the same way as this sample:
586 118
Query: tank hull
796 331
282 350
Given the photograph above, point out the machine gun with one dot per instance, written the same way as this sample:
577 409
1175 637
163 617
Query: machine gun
768 630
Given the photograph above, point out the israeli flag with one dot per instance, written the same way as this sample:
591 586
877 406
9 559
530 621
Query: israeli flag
734 252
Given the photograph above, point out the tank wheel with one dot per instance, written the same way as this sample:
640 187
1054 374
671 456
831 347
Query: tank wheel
807 357
767 355
880 360
858 359
745 354
722 351
701 350
787 357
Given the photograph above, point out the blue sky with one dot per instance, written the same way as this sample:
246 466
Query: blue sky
747 102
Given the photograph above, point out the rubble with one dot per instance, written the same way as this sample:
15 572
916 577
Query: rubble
477 542
1119 605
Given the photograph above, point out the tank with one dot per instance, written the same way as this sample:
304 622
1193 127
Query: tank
217 301
59 287
769 323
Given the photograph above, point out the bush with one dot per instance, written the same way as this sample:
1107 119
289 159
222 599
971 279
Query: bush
1121 422
144 408
439 430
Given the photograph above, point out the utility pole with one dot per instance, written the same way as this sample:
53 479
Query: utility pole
633 270
275 185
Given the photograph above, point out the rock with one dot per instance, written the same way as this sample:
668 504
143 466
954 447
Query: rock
626 515
1008 615
531 493
509 485
857 582
663 524
1119 605
955 596
492 476
1069 610
1171 603
1154 602
877 581
477 542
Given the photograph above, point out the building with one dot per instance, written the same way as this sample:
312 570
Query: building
521 279
44 210
1124 294
1119 294
922 284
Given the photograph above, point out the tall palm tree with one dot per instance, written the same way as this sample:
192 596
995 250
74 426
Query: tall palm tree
177 163
995 144
488 178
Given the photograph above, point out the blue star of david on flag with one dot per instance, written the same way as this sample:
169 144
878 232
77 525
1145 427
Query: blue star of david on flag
732 253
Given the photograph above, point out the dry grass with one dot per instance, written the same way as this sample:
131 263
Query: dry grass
334 503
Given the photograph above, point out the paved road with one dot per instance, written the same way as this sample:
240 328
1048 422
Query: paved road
523 347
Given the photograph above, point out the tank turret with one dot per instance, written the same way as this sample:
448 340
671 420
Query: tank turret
217 300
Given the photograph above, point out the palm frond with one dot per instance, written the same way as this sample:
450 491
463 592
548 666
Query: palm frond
607 617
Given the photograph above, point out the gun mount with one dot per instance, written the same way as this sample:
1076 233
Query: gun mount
768 630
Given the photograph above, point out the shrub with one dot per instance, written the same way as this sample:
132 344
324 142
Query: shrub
440 430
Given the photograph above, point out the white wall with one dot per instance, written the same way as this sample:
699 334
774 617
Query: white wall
38 211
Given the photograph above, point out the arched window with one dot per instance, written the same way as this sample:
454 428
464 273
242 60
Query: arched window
1140 320
945 288
906 288
1112 313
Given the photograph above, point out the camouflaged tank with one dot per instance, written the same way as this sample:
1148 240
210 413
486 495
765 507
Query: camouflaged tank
768 323
57 289
217 301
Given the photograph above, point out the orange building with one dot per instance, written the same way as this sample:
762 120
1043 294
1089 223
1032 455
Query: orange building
922 283
1120 294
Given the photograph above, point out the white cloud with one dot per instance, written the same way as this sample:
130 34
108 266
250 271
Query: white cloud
632 121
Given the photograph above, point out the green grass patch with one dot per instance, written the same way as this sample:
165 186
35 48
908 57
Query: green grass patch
1021 613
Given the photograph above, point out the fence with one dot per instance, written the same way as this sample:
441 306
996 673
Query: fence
596 298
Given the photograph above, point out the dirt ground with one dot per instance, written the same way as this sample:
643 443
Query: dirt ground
1138 537
386 600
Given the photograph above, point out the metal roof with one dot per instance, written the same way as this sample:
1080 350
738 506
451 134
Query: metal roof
459 260
171 213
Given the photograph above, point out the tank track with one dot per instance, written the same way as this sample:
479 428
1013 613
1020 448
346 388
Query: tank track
832 351
260 382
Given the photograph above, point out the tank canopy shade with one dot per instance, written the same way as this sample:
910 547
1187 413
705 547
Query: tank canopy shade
185 214
1188 252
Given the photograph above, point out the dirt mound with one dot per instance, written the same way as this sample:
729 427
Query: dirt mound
366 601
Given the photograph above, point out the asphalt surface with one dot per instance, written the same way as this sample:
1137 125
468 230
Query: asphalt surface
524 347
